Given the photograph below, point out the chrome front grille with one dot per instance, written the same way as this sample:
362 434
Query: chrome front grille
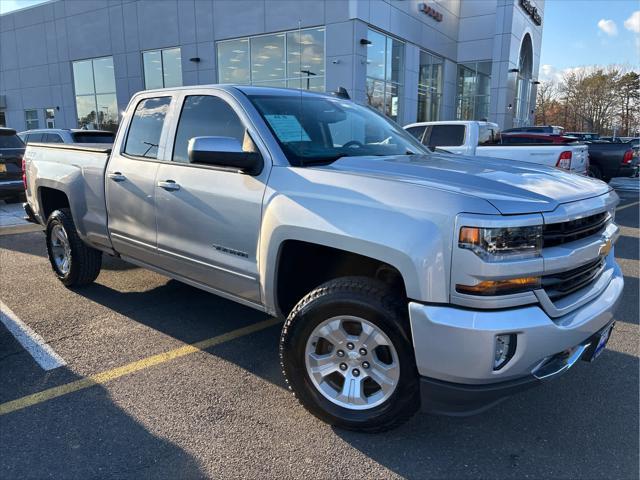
565 232
560 284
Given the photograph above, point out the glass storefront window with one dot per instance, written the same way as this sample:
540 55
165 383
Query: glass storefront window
267 58
162 68
233 61
95 88
293 59
474 87
385 66
429 87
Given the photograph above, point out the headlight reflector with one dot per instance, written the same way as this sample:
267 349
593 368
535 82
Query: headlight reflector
504 243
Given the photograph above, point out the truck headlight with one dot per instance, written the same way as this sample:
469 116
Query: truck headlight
504 243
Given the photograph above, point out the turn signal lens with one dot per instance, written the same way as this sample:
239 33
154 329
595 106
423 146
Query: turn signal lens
501 287
470 235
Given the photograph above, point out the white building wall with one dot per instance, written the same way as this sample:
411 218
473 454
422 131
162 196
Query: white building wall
38 44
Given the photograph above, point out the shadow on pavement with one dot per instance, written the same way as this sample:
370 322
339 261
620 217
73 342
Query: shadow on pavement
584 425
81 435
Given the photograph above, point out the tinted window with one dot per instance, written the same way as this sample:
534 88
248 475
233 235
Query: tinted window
34 137
205 116
446 136
417 131
485 135
52 138
10 141
93 137
146 126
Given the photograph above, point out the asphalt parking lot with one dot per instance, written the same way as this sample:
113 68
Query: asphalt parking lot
134 400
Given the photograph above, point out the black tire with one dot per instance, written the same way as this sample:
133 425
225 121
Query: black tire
373 301
85 262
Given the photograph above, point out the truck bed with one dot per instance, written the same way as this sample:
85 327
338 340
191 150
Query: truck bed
78 170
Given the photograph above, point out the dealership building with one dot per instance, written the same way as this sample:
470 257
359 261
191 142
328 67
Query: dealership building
70 63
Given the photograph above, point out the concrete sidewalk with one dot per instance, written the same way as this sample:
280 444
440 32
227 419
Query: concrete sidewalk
12 220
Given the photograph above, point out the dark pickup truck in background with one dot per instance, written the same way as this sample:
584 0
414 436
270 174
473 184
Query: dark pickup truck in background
608 160
11 152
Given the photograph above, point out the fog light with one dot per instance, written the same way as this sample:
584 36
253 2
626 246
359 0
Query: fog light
504 350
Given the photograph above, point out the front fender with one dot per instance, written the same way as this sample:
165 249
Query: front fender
399 225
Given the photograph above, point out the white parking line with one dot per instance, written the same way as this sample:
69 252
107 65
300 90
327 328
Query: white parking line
30 340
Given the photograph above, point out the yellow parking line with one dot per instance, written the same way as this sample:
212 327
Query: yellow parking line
627 206
132 367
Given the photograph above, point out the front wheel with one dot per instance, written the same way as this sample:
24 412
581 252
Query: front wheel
346 354
73 262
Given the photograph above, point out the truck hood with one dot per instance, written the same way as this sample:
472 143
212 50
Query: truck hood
511 187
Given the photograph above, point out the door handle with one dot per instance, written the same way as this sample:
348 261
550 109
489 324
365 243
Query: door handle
169 185
116 176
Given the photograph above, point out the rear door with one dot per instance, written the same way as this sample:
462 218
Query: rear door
131 178
209 217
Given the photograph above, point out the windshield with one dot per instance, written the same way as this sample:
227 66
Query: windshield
314 130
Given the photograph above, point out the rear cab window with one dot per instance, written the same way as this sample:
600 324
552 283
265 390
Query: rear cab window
143 137
446 136
93 137
487 135
10 141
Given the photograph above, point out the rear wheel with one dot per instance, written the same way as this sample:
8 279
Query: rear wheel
73 262
347 355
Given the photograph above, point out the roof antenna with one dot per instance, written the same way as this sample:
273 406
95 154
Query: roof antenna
341 92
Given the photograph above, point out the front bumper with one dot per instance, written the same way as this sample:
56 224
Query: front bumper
454 347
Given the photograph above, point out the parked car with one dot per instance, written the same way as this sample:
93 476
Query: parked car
544 129
275 198
11 152
608 160
66 135
482 139
584 136
535 139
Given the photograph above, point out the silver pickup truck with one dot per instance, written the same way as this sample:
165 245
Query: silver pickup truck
406 277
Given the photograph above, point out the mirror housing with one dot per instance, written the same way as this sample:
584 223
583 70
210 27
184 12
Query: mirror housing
224 152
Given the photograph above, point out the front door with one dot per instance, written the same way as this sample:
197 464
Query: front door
131 182
209 218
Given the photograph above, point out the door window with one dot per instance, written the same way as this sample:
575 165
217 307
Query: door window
447 136
205 116
146 126
417 132
52 138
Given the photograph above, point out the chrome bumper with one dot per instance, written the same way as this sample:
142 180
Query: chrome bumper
457 345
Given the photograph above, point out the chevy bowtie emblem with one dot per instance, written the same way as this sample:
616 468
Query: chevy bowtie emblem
605 248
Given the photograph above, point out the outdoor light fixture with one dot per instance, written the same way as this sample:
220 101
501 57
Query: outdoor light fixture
364 41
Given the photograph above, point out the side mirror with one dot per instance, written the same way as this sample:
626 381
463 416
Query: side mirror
224 152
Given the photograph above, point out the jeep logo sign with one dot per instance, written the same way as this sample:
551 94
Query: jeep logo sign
532 11
427 10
